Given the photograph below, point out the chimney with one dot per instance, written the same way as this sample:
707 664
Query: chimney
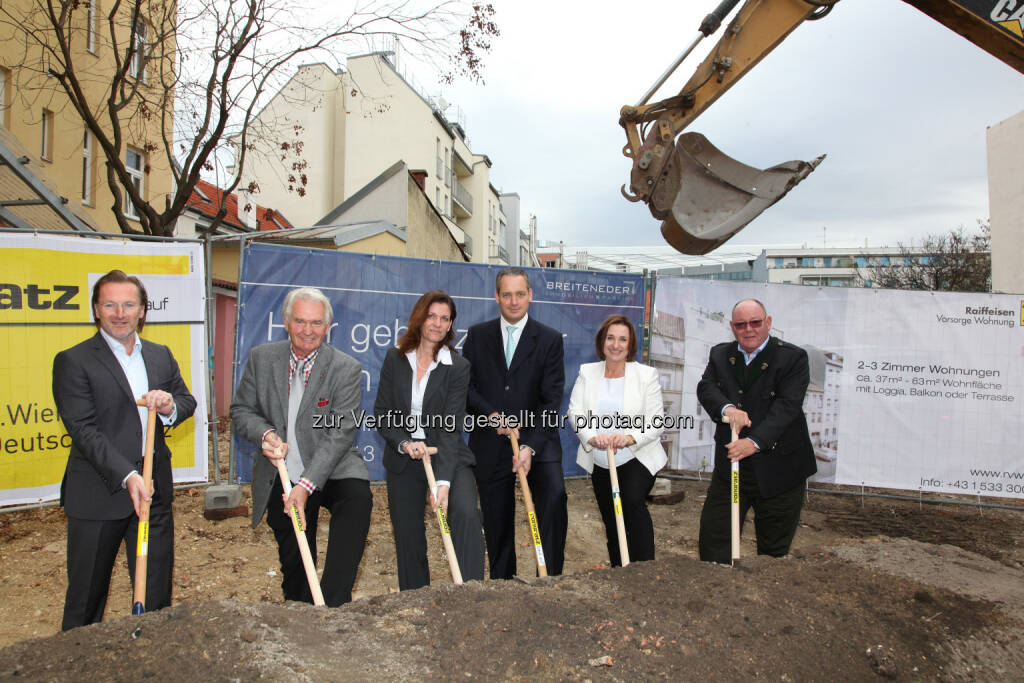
420 176
246 201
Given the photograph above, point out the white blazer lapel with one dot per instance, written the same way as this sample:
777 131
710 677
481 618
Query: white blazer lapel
595 376
631 396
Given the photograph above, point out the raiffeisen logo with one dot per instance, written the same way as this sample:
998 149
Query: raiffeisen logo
986 310
37 297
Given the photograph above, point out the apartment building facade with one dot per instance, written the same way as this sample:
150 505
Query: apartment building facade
1005 148
827 267
327 134
824 267
40 124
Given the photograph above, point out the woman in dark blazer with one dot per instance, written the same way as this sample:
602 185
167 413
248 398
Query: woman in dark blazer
617 385
421 402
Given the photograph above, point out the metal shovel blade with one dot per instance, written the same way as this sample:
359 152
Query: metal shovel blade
718 195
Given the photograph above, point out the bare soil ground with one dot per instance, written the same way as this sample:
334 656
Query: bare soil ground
874 588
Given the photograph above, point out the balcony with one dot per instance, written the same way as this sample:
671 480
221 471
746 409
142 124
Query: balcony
461 166
467 244
463 200
500 253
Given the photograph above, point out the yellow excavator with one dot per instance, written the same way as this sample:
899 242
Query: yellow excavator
702 196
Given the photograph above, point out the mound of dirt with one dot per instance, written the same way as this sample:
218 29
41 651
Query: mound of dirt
875 588
817 616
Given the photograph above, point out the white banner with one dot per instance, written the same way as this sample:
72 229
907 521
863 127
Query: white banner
909 390
45 294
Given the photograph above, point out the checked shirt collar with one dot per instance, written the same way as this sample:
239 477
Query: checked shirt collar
294 362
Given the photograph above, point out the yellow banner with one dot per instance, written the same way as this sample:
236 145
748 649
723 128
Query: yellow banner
47 286
45 292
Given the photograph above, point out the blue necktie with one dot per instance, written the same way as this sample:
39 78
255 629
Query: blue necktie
510 346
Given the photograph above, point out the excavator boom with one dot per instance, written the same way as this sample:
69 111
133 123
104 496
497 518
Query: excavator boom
702 196
996 26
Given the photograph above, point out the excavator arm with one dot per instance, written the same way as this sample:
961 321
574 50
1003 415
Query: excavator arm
704 197
996 26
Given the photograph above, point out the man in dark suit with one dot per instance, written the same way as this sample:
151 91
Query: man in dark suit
296 399
95 386
517 374
759 382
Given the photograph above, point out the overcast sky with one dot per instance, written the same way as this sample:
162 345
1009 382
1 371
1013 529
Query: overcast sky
898 102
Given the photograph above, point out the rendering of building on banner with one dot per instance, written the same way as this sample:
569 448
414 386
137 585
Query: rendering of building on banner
876 377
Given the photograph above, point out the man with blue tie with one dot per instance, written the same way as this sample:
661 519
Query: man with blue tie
517 379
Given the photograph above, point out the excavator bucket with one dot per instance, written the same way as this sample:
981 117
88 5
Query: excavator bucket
715 196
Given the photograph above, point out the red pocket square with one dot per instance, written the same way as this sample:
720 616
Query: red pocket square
322 402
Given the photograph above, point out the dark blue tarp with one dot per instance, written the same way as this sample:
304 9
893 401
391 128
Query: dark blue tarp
373 295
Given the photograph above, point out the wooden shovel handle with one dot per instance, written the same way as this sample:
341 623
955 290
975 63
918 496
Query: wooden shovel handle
442 521
620 523
531 511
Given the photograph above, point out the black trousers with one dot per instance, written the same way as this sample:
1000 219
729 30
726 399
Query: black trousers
497 502
349 502
775 519
635 482
407 494
92 550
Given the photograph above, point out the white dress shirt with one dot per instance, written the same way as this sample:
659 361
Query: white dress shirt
610 403
444 357
134 367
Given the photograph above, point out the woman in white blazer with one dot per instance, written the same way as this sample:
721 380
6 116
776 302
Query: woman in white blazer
617 403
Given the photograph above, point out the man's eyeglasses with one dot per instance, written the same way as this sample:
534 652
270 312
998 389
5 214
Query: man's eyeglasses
127 307
754 324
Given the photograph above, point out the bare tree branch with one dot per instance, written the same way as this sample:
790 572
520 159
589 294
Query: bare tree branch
952 262
182 81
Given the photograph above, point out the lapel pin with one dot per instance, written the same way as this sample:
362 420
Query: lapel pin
322 403
732 360
764 366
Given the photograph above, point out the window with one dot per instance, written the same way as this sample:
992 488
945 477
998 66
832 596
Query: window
807 261
883 261
87 169
135 164
778 261
4 77
46 142
137 68
861 261
90 26
827 261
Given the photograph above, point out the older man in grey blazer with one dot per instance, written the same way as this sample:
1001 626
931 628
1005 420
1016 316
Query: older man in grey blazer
296 400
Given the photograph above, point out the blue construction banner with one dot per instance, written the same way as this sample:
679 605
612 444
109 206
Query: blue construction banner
372 296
